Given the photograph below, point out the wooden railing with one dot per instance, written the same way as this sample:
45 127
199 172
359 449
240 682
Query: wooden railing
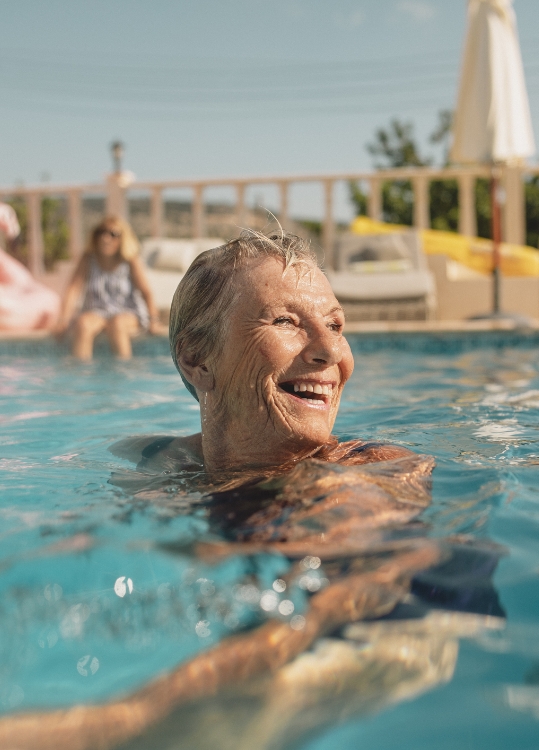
116 191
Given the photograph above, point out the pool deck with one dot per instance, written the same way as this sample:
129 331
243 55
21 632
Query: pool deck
444 326
380 327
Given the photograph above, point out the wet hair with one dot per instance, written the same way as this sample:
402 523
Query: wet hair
129 245
204 295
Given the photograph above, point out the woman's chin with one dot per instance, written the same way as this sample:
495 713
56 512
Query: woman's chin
312 438
307 426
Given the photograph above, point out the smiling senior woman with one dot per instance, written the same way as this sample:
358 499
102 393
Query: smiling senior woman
257 336
256 333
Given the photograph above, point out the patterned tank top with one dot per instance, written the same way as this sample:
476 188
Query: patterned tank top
113 292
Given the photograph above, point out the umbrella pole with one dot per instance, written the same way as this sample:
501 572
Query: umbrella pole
496 227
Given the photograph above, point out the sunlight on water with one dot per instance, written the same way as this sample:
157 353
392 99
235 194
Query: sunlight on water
99 591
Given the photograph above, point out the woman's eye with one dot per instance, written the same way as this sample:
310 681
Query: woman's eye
335 327
283 321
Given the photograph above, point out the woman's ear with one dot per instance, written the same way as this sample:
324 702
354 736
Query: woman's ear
197 374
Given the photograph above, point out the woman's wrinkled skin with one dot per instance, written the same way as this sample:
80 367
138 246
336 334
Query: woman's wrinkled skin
285 327
272 478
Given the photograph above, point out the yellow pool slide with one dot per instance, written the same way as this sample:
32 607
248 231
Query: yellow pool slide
473 252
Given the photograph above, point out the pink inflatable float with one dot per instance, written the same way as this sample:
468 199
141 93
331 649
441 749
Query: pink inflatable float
25 304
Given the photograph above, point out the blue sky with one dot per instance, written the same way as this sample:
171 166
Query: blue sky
205 88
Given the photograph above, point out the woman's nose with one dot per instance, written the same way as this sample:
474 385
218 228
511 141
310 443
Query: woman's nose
323 346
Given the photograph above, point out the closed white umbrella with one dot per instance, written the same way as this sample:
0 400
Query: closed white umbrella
492 121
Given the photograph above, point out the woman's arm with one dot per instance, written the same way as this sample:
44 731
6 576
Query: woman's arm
72 295
231 663
140 281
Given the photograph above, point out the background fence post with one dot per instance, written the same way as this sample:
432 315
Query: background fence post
157 212
283 213
375 199
198 211
514 223
467 217
421 202
240 205
36 262
329 226
74 202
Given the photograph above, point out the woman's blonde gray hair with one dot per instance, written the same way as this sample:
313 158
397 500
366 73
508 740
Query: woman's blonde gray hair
204 295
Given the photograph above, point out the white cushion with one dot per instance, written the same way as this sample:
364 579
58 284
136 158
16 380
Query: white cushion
381 266
356 286
163 254
394 252
163 285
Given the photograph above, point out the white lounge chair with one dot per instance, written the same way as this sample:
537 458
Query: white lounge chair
383 277
166 262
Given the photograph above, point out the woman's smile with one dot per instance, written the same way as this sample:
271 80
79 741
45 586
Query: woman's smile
310 393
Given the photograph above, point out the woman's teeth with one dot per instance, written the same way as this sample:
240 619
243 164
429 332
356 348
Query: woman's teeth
321 390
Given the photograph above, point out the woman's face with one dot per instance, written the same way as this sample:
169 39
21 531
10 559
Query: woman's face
284 362
108 240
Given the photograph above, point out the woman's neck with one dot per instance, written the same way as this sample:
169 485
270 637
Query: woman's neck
226 449
108 262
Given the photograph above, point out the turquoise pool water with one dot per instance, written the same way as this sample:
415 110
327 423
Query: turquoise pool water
97 595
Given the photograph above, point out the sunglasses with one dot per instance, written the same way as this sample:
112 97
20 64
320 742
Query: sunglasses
111 233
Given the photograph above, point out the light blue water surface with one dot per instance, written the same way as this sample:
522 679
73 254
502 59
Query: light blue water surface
68 535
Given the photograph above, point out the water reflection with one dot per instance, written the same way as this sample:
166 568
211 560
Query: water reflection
365 611
372 666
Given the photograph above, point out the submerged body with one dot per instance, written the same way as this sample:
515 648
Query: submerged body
340 495
356 518
343 513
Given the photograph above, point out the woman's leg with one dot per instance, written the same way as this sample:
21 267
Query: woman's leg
120 328
87 326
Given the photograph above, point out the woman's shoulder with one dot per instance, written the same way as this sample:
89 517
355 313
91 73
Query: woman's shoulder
135 263
84 265
355 452
159 452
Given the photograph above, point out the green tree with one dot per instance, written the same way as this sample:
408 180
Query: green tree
444 194
359 198
393 148
444 205
482 208
442 132
532 211
396 147
53 225
55 231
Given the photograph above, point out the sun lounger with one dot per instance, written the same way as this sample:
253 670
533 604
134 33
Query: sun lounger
383 277
166 262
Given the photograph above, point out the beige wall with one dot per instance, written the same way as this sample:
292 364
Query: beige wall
463 298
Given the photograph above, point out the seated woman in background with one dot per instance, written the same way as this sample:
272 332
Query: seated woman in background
117 296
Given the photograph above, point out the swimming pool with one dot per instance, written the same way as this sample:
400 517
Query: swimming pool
99 593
